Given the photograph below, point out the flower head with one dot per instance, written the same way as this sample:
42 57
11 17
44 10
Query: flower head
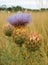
19 19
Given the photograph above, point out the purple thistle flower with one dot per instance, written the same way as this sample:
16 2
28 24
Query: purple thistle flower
19 19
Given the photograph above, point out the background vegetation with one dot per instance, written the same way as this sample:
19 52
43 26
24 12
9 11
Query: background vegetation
18 8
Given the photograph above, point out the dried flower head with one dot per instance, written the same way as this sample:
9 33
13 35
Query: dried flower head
33 41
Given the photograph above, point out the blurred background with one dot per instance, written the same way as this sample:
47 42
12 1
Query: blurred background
22 4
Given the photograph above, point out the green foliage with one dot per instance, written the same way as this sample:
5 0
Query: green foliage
9 9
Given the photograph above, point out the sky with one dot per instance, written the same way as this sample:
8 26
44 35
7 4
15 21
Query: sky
31 4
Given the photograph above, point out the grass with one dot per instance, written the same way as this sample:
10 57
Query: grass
10 54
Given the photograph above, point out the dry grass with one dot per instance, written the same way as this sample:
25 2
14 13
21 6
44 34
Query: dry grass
9 52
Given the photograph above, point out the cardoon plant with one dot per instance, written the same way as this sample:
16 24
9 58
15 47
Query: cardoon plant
19 21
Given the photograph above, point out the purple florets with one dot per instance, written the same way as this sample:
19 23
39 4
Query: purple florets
19 19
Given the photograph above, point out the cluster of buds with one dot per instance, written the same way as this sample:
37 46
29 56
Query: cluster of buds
19 34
